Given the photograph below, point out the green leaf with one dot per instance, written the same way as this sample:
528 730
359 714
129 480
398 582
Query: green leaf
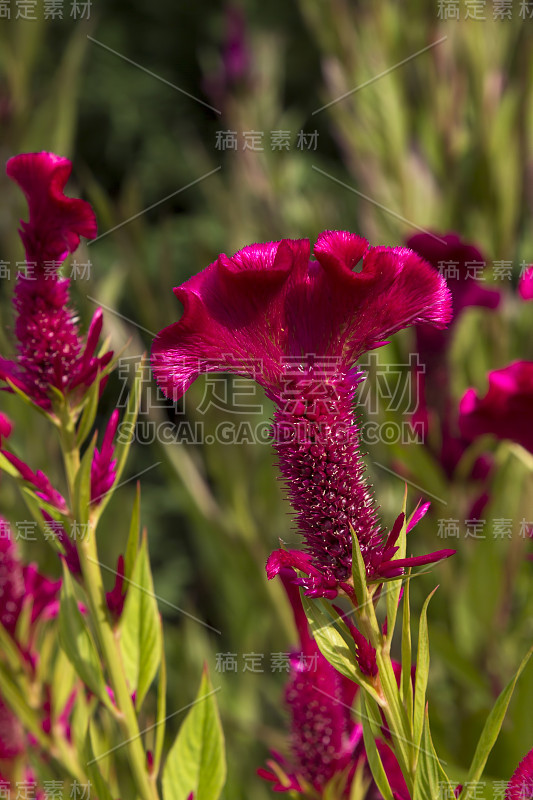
331 643
125 432
11 652
196 761
63 679
92 750
132 546
18 703
140 630
334 641
358 571
393 592
427 770
82 485
29 402
89 412
130 418
161 713
490 731
406 685
422 672
79 719
7 467
371 729
77 642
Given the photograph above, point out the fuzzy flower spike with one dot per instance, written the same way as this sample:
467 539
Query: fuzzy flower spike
50 350
297 326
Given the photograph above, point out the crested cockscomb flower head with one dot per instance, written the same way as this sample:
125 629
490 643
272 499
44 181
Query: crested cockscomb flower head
520 787
298 325
56 222
505 409
269 310
50 349
461 263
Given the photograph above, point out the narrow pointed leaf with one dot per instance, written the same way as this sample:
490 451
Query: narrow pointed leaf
82 485
161 708
393 592
334 641
132 546
422 672
490 731
140 631
89 413
77 642
406 686
427 769
196 763
372 754
358 571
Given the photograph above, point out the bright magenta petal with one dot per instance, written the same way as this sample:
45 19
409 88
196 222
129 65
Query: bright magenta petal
505 410
520 786
525 287
232 319
56 222
269 305
395 288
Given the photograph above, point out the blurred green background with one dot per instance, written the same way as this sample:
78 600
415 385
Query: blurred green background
442 141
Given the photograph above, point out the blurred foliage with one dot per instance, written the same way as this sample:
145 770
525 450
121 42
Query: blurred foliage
442 140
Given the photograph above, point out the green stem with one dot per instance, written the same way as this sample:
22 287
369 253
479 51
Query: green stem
94 587
387 687
113 660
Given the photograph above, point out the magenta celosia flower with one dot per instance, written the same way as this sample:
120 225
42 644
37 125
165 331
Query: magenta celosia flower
520 787
50 350
11 580
21 786
462 264
22 585
11 734
103 467
505 410
24 589
6 426
72 559
297 326
324 739
525 286
365 653
393 772
235 66
116 597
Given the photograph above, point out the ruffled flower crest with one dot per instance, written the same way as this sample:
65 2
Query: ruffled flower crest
51 353
269 304
297 326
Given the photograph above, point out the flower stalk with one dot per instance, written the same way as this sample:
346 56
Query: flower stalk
99 617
